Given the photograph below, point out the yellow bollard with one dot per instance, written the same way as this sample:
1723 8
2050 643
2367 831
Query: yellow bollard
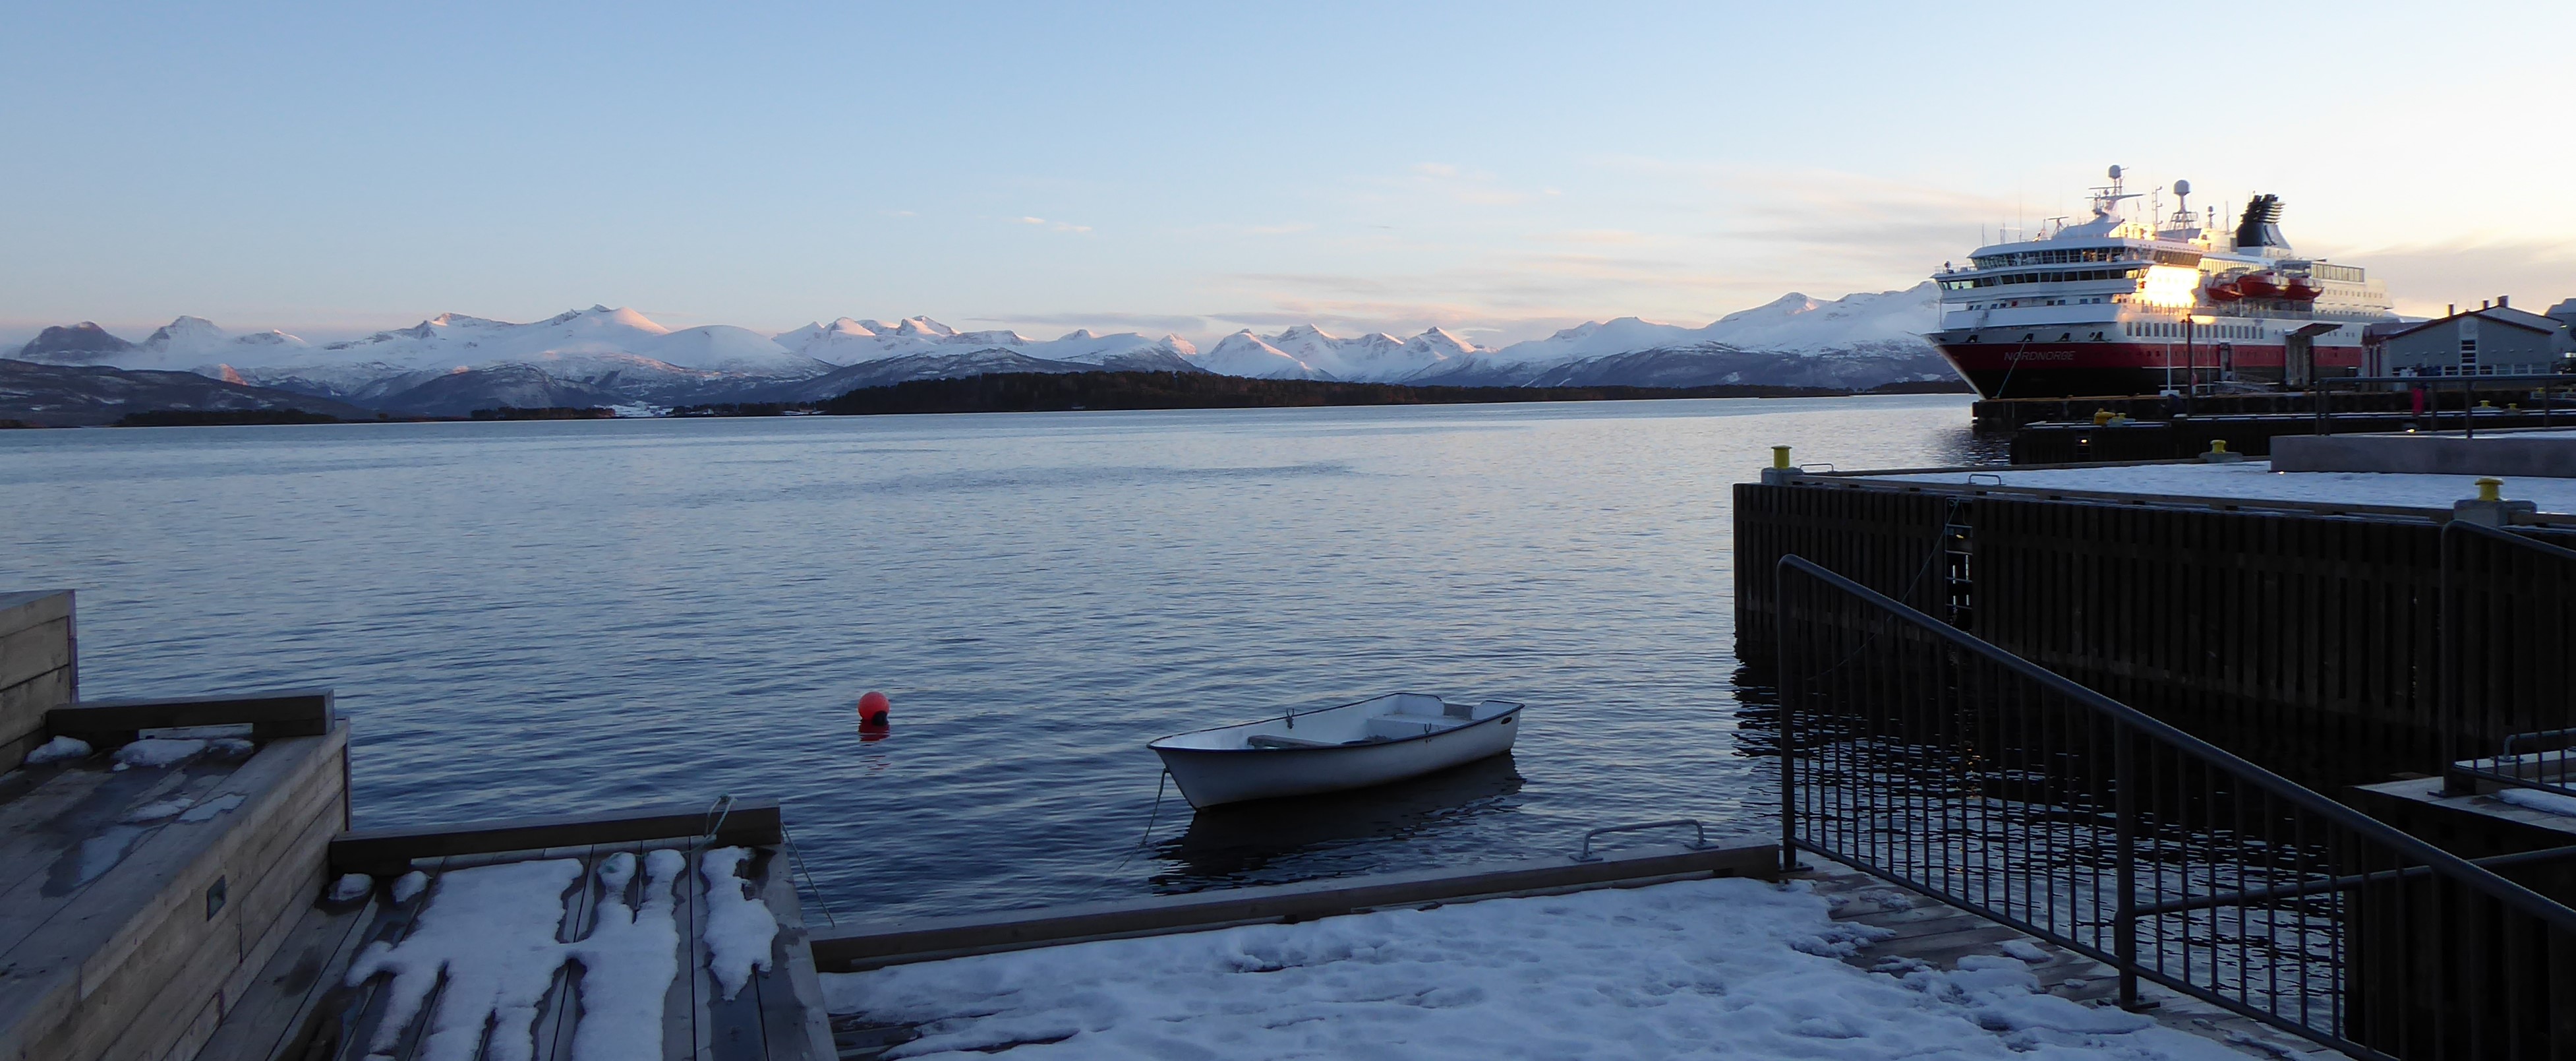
2218 445
2101 417
2490 489
1780 457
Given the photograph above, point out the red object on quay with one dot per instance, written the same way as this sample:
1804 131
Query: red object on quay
873 710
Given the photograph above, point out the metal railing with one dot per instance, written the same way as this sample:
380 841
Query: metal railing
2547 391
2509 718
1925 756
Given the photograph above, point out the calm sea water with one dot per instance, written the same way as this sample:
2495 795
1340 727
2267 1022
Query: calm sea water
552 617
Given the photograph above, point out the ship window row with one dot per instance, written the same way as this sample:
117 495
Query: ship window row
2174 330
2350 274
2087 254
2042 278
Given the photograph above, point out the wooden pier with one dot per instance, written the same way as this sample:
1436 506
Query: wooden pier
303 1005
177 886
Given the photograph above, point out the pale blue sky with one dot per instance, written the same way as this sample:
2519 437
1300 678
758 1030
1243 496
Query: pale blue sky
1500 169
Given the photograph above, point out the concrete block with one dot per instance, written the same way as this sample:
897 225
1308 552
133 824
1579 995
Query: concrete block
2502 454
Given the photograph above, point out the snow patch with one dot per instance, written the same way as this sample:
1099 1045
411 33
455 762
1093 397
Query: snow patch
1729 967
351 886
158 751
628 961
740 927
57 750
489 933
2026 951
207 810
2535 799
102 852
152 812
2255 480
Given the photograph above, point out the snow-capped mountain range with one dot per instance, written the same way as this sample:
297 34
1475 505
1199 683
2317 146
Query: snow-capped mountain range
445 364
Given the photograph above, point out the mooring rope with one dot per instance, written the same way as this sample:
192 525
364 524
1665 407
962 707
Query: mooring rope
1150 818
798 859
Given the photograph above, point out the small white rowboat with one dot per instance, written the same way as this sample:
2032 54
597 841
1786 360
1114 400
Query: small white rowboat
1372 742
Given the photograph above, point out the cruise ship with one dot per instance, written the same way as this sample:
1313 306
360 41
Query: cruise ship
2118 306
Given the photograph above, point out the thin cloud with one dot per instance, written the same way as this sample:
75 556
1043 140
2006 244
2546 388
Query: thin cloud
1053 226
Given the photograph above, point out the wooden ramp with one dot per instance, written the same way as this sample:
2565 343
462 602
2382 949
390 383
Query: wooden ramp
302 1005
1929 933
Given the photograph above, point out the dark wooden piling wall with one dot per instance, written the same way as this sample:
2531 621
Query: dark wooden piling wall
2307 643
1883 539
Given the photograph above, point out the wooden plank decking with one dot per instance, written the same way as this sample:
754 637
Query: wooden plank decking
133 901
300 1006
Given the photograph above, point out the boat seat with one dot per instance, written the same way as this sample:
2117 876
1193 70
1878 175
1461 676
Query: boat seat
1264 740
1400 725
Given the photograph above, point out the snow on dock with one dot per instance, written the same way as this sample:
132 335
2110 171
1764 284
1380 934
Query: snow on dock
610 943
1699 968
2251 480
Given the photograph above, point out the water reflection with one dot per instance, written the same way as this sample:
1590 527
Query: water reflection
1238 843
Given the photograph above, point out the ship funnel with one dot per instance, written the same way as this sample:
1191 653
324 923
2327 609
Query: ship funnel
2261 225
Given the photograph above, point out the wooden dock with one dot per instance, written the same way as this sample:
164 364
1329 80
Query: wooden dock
138 896
303 1005
167 891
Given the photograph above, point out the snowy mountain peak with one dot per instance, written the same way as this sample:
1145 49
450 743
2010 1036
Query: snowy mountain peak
1246 354
923 326
1440 342
1077 335
1788 305
185 331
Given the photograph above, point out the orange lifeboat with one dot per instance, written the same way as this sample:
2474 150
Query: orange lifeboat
2265 284
2302 289
2222 290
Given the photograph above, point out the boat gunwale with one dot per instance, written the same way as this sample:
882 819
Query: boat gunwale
1156 745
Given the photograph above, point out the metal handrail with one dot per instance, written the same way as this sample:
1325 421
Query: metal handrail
2529 902
1696 845
1921 779
2459 732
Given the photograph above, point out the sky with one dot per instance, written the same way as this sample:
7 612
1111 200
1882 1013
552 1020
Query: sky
1499 169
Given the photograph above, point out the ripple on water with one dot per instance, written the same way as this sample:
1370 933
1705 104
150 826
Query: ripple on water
536 617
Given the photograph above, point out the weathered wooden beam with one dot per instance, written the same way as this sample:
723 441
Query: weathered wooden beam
271 715
750 822
861 947
39 666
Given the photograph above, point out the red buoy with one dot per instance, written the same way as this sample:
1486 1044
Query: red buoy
873 710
